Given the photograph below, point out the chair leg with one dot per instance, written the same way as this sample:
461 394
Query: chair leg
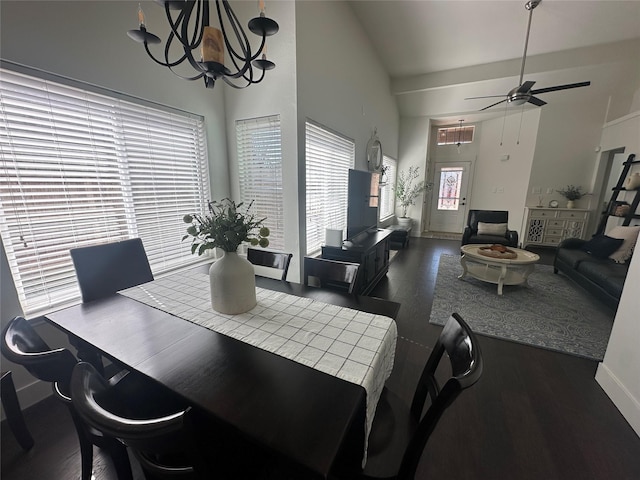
86 446
13 412
120 458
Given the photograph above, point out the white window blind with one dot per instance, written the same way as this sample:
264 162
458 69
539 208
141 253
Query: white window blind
329 157
260 172
79 168
387 195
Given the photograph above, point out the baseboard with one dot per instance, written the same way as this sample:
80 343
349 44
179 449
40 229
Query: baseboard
628 406
31 394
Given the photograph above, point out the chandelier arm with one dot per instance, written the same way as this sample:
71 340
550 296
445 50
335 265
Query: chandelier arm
166 63
229 82
246 49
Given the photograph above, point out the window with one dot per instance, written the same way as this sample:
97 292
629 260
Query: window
329 157
387 194
80 168
455 135
449 189
260 171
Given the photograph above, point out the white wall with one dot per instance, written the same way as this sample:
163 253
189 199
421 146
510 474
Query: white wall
276 94
87 41
619 372
340 84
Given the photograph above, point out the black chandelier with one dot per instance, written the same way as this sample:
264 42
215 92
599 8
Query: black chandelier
190 30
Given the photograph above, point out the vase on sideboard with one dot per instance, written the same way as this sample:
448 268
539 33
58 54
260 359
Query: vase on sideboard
233 284
571 204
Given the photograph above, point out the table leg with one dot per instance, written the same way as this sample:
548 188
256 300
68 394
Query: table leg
463 263
503 274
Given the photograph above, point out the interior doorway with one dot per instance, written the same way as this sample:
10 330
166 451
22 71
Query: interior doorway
448 211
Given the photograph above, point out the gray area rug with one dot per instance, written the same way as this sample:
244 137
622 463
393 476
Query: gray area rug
550 313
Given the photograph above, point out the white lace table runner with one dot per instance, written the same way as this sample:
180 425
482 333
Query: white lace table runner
350 344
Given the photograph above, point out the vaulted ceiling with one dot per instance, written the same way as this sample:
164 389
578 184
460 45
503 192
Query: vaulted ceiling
439 52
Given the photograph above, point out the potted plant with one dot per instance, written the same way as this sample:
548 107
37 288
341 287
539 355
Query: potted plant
572 194
407 192
231 278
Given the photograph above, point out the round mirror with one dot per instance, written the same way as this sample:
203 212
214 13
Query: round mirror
374 154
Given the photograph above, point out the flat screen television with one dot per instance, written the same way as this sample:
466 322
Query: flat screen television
362 208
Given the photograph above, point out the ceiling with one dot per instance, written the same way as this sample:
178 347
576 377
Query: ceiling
441 48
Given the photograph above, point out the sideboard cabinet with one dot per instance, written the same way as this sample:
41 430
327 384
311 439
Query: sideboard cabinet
371 251
549 226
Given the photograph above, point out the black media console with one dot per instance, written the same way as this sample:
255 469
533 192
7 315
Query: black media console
371 251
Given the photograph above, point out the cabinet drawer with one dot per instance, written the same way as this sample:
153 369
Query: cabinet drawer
555 223
572 215
543 214
554 231
552 240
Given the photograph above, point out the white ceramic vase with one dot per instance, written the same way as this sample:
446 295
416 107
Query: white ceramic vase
233 284
571 203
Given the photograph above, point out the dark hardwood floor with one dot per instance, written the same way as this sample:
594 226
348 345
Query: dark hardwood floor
535 414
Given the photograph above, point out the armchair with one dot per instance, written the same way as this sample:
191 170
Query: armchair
489 226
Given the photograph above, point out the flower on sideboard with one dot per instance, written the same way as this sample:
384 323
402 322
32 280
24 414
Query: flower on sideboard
572 193
225 226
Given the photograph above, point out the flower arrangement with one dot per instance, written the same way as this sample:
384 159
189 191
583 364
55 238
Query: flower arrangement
225 227
572 193
406 191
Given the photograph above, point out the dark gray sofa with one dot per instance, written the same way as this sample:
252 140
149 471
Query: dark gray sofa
601 277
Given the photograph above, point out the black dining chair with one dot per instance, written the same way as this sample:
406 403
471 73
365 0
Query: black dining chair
104 269
166 446
400 431
332 273
12 410
21 344
265 258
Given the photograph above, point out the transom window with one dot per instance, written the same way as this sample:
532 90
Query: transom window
79 168
456 135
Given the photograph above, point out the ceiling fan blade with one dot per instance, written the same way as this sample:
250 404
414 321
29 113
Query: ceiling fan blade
560 87
486 96
525 87
537 101
493 104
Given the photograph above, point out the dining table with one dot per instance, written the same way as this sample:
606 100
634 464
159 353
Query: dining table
309 408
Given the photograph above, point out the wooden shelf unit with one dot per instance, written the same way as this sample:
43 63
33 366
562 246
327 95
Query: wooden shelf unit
616 191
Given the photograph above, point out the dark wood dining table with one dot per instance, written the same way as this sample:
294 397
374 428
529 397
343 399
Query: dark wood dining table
305 416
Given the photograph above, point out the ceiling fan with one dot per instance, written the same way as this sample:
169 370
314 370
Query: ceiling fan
523 93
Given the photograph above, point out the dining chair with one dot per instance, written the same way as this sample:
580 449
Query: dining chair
104 269
166 446
21 344
270 259
12 410
400 431
332 273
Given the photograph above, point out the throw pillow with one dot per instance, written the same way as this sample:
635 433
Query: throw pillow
630 237
492 228
601 246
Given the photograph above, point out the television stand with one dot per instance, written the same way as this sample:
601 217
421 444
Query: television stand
371 251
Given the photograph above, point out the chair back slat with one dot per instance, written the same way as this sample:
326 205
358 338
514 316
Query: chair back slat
332 273
104 269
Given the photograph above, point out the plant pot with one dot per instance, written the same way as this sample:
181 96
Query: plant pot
404 221
233 284
571 203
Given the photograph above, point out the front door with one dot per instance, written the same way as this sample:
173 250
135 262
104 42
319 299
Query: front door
449 197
